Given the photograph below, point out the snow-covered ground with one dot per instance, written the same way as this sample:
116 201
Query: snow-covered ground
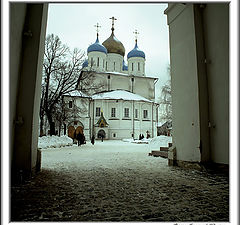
154 143
159 141
106 154
109 154
54 141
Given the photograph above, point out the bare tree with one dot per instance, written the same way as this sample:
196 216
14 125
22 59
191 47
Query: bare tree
165 99
61 69
62 73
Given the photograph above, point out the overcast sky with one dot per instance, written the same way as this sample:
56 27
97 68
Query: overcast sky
74 24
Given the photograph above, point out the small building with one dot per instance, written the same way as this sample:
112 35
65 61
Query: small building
165 129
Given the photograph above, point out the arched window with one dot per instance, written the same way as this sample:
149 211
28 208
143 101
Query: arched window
98 62
103 64
106 65
114 66
132 66
138 66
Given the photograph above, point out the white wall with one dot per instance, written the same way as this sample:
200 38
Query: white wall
185 104
133 66
122 126
114 58
98 59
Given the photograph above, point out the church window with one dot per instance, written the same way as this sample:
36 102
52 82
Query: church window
98 61
103 64
114 135
70 104
145 113
97 111
106 65
126 112
136 113
132 66
138 66
114 66
113 112
91 61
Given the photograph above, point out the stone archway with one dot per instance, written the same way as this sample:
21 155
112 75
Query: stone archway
101 133
79 129
74 128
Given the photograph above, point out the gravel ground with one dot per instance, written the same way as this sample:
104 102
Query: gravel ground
118 181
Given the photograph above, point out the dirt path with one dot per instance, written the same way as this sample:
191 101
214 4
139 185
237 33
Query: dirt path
117 181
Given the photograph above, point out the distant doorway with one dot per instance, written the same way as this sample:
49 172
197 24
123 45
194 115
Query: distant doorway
101 133
79 129
71 131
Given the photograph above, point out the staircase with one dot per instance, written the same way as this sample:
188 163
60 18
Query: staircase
162 153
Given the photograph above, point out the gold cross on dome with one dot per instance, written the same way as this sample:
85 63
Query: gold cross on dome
97 26
136 34
112 18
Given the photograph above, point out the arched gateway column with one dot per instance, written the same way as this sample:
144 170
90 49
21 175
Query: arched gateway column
199 56
27 37
189 84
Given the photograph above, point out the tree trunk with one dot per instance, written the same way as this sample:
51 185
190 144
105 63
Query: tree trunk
51 123
41 127
59 129
65 129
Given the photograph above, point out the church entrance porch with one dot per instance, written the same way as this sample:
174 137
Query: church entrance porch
101 134
114 186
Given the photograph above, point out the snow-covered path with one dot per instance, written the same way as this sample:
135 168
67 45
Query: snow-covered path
118 181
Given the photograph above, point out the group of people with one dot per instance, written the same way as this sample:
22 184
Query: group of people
141 136
81 138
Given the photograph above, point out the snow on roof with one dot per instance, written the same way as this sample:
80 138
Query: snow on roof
77 93
126 74
120 95
118 73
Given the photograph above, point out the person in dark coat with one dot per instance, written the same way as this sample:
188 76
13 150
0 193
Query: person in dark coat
93 140
78 137
102 137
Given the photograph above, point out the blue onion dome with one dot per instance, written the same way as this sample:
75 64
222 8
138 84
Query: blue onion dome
85 64
97 47
124 67
136 52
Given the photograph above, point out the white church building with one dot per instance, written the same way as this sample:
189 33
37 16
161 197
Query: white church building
125 105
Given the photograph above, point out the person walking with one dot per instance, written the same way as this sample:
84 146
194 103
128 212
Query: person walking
93 140
102 137
83 139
